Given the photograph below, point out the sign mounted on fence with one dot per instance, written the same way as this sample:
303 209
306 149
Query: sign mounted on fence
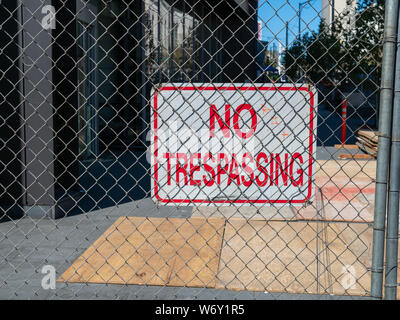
233 144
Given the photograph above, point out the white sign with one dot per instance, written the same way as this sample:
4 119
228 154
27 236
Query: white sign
233 144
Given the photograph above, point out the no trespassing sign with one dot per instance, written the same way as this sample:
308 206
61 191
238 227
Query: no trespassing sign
233 144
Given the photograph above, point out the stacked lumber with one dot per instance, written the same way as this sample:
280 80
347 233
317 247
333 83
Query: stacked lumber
367 141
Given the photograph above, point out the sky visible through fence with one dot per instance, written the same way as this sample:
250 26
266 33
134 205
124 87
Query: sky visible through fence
273 18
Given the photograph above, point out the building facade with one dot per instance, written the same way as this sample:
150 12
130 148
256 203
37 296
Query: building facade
344 10
75 96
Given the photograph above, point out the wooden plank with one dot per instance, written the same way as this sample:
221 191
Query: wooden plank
355 156
371 151
153 251
346 146
367 143
369 135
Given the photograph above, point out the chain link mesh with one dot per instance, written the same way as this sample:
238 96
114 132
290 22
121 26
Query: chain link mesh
87 208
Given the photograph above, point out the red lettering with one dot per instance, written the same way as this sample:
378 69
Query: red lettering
277 172
299 181
222 170
280 171
262 169
209 169
194 168
181 169
168 156
248 169
253 121
233 176
271 169
224 125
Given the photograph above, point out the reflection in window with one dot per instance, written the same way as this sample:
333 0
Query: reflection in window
179 48
137 45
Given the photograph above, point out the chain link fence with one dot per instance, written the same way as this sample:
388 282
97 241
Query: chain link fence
188 149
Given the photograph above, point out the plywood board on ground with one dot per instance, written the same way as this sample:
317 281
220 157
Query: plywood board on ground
153 251
294 257
313 257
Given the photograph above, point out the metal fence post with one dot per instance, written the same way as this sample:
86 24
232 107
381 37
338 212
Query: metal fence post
394 185
385 117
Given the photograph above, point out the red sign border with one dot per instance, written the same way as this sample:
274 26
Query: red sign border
248 88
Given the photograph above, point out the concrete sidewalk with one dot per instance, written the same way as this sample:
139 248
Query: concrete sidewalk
28 244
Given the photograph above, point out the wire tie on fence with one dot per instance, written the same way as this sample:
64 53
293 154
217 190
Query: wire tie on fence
379 269
387 88
389 38
382 135
381 182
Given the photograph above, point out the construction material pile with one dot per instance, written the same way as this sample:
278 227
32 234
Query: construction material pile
367 141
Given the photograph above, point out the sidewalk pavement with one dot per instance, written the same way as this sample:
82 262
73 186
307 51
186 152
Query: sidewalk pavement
27 245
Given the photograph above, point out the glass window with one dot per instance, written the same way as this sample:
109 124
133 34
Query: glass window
180 47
